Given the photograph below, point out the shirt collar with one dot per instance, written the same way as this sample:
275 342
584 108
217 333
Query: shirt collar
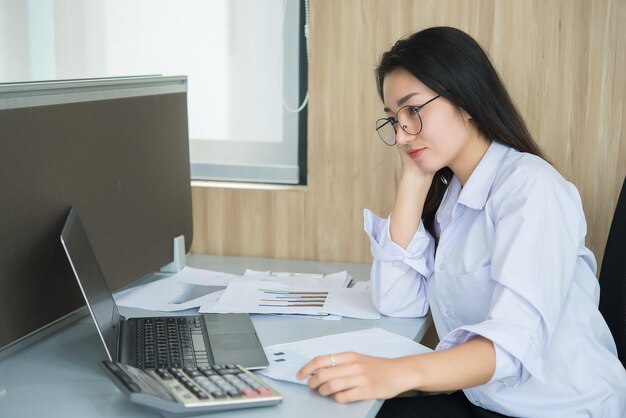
444 213
476 190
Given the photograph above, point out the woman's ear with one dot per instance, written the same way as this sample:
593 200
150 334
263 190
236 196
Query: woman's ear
466 116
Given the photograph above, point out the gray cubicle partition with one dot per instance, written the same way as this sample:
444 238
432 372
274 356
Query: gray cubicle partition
118 150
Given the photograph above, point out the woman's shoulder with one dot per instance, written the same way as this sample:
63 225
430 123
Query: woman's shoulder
522 166
521 174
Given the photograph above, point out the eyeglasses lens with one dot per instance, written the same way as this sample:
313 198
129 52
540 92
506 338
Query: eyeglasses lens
386 131
408 119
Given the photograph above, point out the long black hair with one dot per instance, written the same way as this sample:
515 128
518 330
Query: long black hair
454 65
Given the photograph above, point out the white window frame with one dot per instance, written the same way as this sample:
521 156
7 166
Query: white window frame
282 161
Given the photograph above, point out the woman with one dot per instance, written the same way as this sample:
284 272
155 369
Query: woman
491 238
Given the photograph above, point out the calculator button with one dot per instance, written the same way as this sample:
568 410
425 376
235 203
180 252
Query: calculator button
201 395
218 394
163 374
207 371
264 391
250 393
225 372
192 371
217 379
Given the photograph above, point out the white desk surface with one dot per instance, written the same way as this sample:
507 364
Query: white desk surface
59 376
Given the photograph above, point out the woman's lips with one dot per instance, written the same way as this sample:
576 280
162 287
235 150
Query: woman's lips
416 152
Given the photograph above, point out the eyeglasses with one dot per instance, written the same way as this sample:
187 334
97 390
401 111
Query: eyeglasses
407 117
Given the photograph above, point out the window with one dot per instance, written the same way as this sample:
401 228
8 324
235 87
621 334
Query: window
245 61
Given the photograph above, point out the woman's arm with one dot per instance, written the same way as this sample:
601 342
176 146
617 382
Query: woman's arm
357 376
407 211
466 365
398 288
398 275
410 198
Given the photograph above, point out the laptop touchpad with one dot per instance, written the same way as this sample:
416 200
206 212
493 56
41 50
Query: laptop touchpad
238 348
233 341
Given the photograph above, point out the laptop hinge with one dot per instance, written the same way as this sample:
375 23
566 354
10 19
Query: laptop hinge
125 343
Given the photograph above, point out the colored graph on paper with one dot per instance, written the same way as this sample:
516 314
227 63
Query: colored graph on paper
259 296
286 298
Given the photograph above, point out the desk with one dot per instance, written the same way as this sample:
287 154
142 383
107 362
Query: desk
59 376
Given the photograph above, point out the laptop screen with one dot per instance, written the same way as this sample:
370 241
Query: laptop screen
91 280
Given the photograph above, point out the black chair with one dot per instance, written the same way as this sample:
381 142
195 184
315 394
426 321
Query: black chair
613 277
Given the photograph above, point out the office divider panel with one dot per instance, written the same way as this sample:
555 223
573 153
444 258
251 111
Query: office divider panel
115 148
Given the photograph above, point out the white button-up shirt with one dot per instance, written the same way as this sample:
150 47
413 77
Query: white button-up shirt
511 266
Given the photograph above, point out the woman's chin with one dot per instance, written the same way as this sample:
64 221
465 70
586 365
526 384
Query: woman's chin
427 168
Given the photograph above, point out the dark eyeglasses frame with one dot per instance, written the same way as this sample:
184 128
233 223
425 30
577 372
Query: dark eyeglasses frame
396 123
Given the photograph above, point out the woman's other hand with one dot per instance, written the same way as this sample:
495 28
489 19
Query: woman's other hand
355 377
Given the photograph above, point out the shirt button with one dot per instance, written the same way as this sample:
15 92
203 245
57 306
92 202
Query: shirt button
441 266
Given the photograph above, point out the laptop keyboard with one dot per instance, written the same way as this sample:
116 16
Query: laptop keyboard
169 342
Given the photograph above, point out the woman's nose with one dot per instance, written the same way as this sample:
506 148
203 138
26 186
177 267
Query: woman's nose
402 137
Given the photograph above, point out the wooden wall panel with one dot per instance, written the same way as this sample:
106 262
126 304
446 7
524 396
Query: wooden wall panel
562 60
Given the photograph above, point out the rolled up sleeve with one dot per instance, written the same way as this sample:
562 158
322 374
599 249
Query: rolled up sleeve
398 275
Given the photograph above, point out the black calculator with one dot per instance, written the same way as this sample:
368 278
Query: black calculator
178 392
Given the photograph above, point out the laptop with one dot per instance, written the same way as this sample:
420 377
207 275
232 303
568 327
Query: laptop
157 342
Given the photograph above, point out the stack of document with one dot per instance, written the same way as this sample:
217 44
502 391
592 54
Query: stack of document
188 288
315 295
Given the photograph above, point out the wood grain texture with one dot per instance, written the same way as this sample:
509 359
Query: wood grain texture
563 62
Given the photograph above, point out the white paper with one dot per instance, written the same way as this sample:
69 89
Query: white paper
336 280
188 288
352 303
262 296
286 359
362 285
